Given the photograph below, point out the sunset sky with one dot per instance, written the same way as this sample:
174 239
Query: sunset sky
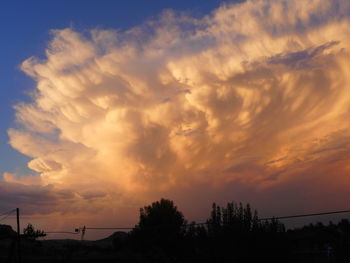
108 106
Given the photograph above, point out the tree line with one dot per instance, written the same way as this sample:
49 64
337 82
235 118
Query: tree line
232 233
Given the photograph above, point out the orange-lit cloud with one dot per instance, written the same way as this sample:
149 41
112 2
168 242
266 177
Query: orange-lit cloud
253 95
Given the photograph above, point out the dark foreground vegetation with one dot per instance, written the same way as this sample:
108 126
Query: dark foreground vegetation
233 233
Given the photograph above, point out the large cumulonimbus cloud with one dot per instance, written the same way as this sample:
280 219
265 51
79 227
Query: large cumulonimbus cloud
256 94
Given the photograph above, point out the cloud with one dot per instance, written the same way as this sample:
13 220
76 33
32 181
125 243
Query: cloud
26 180
254 96
31 198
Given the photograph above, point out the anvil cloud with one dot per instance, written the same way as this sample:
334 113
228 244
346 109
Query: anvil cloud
255 96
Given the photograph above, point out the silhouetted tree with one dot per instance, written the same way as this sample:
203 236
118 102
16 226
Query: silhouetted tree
255 222
233 217
6 231
162 214
161 225
30 233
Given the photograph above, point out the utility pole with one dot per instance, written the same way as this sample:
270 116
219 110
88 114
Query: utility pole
83 233
18 237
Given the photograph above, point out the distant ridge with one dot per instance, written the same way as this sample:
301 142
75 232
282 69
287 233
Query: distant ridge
116 235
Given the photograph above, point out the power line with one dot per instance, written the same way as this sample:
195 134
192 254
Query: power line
61 232
207 223
8 212
5 215
110 228
305 215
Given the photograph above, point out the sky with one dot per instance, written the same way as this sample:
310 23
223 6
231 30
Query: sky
107 107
